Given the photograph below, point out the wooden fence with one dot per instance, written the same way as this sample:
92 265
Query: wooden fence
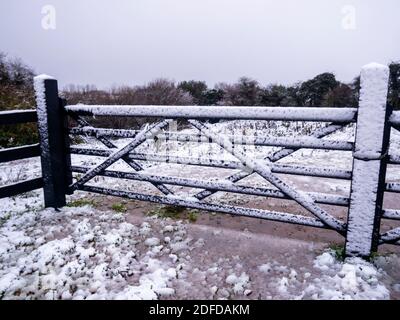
15 117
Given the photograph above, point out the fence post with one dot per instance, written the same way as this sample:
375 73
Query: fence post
55 156
369 162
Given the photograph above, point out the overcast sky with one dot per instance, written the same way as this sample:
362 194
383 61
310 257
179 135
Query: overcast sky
107 42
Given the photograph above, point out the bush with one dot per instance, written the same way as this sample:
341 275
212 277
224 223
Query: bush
16 92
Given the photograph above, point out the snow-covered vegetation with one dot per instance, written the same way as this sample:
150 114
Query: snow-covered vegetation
84 253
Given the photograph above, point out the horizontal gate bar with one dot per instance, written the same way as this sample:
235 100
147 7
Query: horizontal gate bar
239 211
215 185
274 157
215 163
220 112
391 214
395 118
287 142
263 169
394 159
109 144
122 152
393 187
17 153
17 116
391 236
20 187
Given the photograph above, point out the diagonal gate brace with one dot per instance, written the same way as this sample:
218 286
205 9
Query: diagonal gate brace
133 164
276 156
139 139
262 168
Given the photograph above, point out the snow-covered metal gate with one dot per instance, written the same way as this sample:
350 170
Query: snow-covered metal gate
370 152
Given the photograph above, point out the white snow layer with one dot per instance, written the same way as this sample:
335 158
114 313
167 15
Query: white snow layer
353 279
83 253
371 117
368 146
80 253
221 112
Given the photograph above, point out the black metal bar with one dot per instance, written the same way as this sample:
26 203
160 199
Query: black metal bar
17 153
396 127
391 214
216 163
17 116
119 153
67 147
391 236
133 164
20 187
293 142
239 211
314 114
215 185
392 187
262 168
54 151
395 118
276 156
394 159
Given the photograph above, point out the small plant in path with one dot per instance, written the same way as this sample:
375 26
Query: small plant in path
119 207
81 203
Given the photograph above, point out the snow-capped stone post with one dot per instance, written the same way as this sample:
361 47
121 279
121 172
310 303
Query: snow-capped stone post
54 146
369 162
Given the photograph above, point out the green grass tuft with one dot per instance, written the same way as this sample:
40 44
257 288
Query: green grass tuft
119 207
338 250
4 218
192 215
81 203
174 212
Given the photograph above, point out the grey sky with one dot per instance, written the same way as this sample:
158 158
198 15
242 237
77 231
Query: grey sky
106 42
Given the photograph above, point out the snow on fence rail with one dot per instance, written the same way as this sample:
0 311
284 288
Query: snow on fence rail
287 142
220 112
373 119
395 118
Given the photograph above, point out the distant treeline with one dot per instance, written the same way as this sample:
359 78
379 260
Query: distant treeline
324 90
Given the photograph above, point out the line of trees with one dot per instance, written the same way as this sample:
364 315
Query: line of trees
16 92
324 90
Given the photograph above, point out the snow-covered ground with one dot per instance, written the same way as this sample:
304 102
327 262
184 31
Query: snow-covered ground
85 253
92 252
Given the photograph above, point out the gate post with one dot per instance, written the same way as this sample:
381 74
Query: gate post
369 162
54 145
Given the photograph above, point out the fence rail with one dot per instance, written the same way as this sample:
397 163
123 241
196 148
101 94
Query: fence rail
292 142
216 186
20 187
315 114
18 153
11 154
370 152
17 117
395 118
